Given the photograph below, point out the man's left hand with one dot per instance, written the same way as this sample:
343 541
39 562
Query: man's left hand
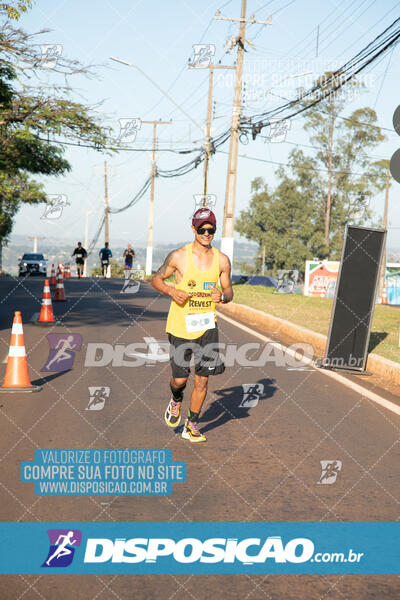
216 295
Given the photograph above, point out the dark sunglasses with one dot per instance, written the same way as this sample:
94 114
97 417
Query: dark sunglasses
202 230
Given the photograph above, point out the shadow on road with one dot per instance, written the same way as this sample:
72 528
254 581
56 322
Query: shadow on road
44 380
231 403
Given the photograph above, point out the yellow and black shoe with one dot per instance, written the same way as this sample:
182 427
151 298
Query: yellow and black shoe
191 432
173 413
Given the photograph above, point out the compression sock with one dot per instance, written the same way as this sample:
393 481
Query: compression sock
177 393
193 416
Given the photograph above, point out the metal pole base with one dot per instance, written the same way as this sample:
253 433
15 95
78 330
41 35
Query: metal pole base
16 390
343 369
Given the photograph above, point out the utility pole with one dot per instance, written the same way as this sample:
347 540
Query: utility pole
207 145
149 251
35 239
385 225
230 194
106 226
88 212
106 213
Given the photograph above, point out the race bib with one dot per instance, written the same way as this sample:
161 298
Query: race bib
105 262
200 322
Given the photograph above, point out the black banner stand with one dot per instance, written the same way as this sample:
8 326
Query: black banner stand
354 301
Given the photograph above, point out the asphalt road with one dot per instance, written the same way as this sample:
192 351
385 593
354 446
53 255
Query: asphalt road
261 461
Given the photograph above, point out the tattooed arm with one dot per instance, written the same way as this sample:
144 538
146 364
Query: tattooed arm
166 270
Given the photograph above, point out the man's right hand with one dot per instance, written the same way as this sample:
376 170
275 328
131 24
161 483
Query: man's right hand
179 296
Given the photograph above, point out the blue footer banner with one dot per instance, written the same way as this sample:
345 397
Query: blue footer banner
213 548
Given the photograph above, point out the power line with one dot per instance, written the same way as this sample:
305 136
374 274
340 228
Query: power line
366 57
272 162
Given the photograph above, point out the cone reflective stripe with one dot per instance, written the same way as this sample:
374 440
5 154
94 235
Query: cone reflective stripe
46 312
17 377
59 295
53 275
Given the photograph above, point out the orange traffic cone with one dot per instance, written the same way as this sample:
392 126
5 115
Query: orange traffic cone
384 299
17 376
53 275
46 312
61 269
59 295
67 274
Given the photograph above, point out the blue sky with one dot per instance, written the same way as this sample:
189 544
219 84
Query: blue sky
158 37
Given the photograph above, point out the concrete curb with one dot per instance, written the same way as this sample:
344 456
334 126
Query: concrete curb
274 326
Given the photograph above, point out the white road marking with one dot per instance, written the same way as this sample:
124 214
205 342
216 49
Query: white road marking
350 384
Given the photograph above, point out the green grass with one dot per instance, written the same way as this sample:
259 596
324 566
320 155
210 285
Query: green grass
315 313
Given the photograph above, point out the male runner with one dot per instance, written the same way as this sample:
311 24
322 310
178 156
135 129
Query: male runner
105 255
80 254
192 317
128 255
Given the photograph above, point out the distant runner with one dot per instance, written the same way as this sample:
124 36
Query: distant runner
191 324
81 255
128 256
105 255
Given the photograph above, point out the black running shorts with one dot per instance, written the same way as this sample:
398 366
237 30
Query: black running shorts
207 359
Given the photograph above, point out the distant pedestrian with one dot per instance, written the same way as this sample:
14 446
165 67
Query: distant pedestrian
105 255
129 255
80 254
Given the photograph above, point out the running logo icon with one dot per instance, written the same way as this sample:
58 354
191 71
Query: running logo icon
128 129
55 206
278 131
202 54
330 471
62 351
50 55
200 200
131 286
251 394
62 547
98 397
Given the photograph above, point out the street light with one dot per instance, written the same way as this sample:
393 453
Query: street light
129 64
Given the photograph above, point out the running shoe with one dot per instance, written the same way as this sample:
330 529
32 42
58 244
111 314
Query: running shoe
191 432
173 413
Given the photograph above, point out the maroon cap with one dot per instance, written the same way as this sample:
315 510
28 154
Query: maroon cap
203 215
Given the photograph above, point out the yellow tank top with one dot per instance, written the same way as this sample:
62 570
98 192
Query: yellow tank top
198 284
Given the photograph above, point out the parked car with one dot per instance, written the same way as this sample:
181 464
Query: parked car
32 263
